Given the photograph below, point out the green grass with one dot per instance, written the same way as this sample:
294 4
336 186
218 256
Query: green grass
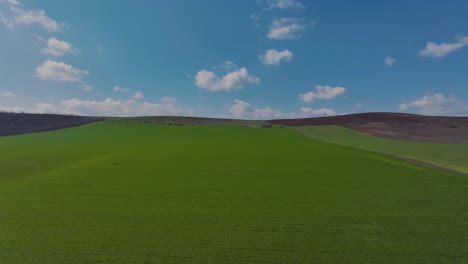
452 156
117 192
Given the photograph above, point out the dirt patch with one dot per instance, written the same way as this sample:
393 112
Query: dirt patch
438 129
20 123
439 133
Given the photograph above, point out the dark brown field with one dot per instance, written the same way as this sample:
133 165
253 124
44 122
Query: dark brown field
394 125
20 123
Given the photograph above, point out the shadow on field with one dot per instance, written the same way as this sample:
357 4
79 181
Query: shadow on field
21 123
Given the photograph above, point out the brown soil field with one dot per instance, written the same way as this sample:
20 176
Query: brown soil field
439 129
21 123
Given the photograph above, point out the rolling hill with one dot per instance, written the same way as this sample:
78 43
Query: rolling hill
134 192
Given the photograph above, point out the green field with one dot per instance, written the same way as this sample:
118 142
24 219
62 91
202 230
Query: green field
451 156
127 192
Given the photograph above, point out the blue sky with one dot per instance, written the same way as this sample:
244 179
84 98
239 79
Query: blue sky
244 59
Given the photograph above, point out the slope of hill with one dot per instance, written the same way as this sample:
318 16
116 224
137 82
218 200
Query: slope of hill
387 125
22 123
394 125
447 156
192 121
143 193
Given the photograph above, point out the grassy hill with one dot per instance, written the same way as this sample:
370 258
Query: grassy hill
128 192
452 156
439 129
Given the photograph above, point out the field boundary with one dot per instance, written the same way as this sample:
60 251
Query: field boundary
410 160
427 164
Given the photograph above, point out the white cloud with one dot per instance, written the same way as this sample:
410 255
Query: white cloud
7 94
28 17
284 4
59 71
241 109
428 100
138 96
274 57
11 2
322 92
286 28
231 81
87 87
57 47
390 61
308 112
40 108
117 89
107 107
435 50
437 104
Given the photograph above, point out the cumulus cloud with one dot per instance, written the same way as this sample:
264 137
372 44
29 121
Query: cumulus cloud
244 110
274 57
322 92
309 112
107 107
28 17
234 80
435 50
437 104
18 16
428 100
283 4
7 94
59 71
57 47
286 28
241 109
389 61
138 96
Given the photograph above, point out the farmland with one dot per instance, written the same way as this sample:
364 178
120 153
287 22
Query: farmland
451 156
129 192
23 123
